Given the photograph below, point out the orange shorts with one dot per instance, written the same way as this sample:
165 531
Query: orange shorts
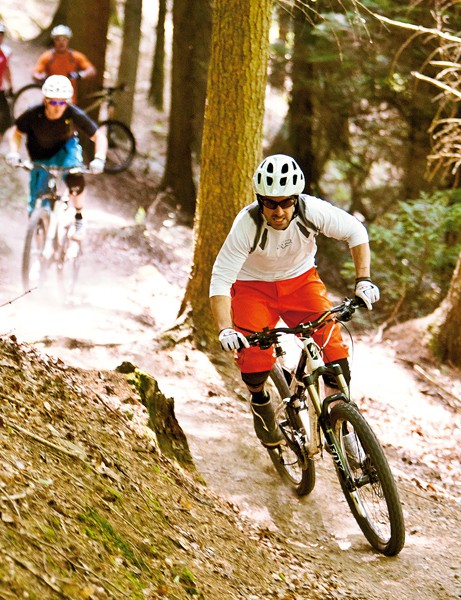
258 304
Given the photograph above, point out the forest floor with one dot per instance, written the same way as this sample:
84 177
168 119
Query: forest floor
277 545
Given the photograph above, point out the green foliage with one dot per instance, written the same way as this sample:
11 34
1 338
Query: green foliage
414 252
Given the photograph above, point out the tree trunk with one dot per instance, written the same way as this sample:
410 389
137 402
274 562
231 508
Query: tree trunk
447 339
301 109
89 22
157 77
178 175
232 137
129 56
201 24
59 18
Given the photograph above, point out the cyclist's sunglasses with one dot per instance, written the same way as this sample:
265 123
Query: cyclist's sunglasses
272 204
57 102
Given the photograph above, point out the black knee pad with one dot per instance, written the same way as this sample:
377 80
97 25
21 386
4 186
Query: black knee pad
255 379
344 364
76 183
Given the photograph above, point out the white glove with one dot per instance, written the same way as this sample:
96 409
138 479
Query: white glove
367 291
232 340
97 166
13 159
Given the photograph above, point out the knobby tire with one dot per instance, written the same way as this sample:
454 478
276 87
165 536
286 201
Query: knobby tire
121 145
383 523
296 470
33 262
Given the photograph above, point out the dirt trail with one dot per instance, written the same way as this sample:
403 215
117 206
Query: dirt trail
130 291
127 297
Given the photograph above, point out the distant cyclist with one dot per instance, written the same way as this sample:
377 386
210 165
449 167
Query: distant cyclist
5 82
62 60
52 140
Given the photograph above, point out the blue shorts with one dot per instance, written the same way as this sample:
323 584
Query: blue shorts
69 156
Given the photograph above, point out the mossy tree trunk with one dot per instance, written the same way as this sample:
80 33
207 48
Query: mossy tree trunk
232 137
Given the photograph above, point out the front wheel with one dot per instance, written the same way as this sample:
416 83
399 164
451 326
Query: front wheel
121 146
375 501
289 459
68 266
33 262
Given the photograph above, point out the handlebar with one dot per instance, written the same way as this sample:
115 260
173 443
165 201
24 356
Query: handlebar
28 165
342 312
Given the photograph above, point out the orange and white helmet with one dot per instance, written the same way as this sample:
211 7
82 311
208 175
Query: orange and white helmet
278 175
58 86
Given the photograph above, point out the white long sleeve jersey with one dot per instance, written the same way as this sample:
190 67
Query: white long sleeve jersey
281 254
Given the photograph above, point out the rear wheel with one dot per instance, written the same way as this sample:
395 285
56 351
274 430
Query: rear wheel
289 459
26 97
121 146
34 264
375 502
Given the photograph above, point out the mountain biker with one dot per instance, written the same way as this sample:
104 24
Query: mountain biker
265 271
62 60
5 82
52 140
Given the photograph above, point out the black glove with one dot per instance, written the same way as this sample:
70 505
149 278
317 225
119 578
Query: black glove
74 75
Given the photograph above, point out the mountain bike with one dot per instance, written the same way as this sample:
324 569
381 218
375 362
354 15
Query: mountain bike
310 424
121 141
49 238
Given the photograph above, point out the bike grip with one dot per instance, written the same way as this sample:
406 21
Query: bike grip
241 346
359 303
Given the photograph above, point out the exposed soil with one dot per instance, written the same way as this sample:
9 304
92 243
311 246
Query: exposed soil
244 535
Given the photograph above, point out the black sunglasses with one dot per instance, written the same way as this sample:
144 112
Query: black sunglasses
272 204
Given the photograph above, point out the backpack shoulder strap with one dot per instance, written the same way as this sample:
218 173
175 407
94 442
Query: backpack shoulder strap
305 226
255 214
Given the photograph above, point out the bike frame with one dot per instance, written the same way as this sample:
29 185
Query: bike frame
312 411
104 98
58 201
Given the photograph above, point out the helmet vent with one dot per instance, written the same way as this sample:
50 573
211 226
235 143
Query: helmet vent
278 175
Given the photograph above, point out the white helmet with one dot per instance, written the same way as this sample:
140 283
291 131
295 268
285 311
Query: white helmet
61 30
58 86
278 175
